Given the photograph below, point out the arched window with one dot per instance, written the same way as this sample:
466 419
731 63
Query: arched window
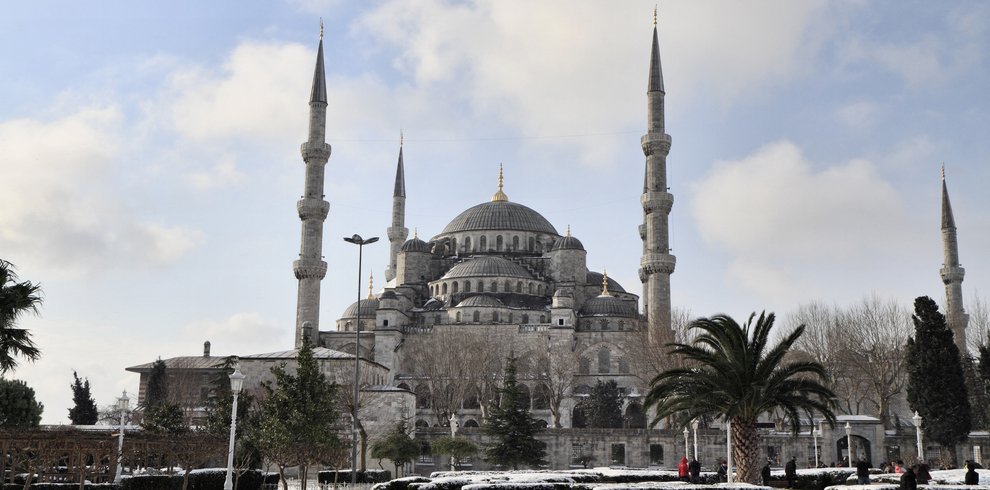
541 399
579 417
403 386
467 244
634 418
471 423
494 287
454 286
518 286
622 325
453 245
445 288
532 244
471 400
604 360
525 318
543 318
498 243
530 288
422 424
458 317
422 396
510 317
494 317
507 286
604 324
483 244
477 317
515 242
467 286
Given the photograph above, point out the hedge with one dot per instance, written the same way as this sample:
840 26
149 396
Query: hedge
344 476
198 480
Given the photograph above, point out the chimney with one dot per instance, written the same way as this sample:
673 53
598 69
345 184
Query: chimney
206 349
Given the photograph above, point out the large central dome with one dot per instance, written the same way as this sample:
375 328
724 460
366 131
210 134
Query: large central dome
500 215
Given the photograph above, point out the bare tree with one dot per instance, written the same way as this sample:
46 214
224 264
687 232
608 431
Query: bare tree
979 324
648 354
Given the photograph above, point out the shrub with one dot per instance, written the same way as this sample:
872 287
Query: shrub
368 476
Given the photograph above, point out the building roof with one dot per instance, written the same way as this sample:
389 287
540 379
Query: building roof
318 353
414 244
567 243
608 306
184 362
595 279
481 300
369 307
499 215
487 267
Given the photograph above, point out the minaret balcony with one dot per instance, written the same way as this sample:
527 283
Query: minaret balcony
656 262
642 232
397 233
952 274
655 143
309 269
310 207
657 201
313 152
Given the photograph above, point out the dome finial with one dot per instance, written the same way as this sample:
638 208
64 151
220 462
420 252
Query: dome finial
415 233
605 282
401 138
568 231
321 28
655 15
943 171
499 195
371 285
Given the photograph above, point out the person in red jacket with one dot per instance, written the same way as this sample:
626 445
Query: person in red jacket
682 469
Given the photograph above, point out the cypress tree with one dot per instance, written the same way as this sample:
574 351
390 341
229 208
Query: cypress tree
512 428
604 406
157 389
84 410
936 383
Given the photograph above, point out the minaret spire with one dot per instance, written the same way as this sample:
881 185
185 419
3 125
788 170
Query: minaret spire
398 232
310 269
499 196
657 264
952 274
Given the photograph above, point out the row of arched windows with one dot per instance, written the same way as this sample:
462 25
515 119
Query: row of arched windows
500 243
602 324
604 364
536 398
495 317
507 286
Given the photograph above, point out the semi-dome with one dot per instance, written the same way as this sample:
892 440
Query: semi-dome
595 279
433 304
499 215
607 306
487 266
481 300
369 308
415 245
567 242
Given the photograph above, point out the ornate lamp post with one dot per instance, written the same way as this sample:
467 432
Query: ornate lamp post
686 453
814 438
917 433
849 443
236 383
728 450
360 242
694 428
122 406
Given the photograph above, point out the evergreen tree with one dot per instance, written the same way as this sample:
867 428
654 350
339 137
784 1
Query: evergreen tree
512 428
298 418
16 299
161 416
218 410
84 411
603 407
977 394
396 446
157 390
18 408
983 371
457 448
936 384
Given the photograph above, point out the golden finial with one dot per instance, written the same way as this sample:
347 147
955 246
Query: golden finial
605 282
568 231
500 196
655 15
415 233
371 285
321 28
943 171
401 138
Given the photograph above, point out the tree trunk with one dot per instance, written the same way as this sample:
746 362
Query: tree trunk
746 450
303 475
363 435
281 477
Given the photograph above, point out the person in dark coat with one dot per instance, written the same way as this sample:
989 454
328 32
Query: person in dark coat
723 472
694 467
790 471
765 474
863 472
921 473
972 477
908 480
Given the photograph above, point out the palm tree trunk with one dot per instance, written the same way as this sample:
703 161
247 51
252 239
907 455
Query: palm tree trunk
746 450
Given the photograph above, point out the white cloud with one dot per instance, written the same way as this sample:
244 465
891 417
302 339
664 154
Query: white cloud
58 210
858 115
244 333
224 174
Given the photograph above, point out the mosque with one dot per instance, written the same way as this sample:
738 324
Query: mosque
502 276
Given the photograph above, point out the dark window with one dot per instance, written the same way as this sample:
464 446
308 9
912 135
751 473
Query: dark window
604 359
498 243
656 454
560 321
477 317
483 244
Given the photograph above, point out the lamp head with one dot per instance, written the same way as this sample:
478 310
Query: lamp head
236 381
123 401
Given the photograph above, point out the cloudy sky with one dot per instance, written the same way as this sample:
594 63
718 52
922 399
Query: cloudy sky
149 162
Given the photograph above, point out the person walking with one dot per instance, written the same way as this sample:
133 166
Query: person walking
695 469
790 471
723 472
972 477
908 480
921 473
863 472
682 470
765 474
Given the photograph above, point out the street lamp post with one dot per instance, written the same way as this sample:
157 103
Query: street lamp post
694 428
122 406
917 433
814 437
236 383
686 453
849 443
728 450
360 242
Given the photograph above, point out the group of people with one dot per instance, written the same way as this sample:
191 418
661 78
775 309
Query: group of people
689 472
790 472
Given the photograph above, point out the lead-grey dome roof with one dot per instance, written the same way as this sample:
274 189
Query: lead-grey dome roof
607 306
481 300
415 245
499 215
567 243
487 266
595 279
369 308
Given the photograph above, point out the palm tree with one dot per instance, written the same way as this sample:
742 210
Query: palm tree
16 299
732 371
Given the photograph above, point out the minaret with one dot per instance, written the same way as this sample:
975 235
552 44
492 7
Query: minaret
310 269
952 274
398 232
657 263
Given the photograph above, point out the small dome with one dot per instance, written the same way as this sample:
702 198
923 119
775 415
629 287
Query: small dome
433 304
369 308
481 300
567 243
487 266
415 245
595 279
499 215
607 306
